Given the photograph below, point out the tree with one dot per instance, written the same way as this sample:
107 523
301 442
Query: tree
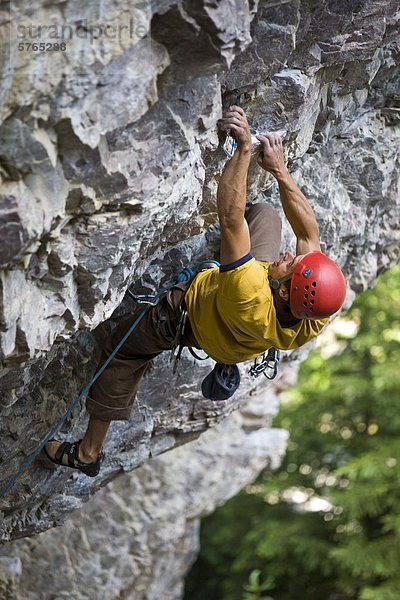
328 523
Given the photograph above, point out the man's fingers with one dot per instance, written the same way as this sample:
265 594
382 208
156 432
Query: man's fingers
265 141
270 137
230 125
235 111
236 108
274 139
277 139
233 120
237 128
228 116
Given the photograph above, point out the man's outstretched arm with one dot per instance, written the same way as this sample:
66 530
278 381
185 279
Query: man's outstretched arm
232 187
295 205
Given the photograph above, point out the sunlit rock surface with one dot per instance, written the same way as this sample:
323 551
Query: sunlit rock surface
109 164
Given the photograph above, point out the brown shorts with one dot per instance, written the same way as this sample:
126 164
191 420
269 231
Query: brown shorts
112 395
265 228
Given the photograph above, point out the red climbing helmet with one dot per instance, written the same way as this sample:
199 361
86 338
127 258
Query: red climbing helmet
318 288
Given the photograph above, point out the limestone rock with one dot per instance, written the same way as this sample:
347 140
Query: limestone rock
150 519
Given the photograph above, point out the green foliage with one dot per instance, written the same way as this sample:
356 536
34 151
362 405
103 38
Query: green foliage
327 525
254 588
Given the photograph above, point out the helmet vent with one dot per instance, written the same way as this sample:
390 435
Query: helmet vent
314 284
311 309
312 301
307 287
313 293
305 303
305 295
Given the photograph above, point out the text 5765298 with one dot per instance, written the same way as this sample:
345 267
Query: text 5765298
42 47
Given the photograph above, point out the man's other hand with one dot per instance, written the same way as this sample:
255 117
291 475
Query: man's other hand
271 156
235 120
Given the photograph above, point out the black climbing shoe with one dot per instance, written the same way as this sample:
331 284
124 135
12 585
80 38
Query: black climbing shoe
221 383
71 450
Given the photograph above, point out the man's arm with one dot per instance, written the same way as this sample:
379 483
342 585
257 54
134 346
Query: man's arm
295 205
232 187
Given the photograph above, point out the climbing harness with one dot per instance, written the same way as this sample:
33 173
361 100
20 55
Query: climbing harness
266 364
151 300
184 276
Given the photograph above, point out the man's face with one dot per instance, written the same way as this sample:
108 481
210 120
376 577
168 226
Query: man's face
285 266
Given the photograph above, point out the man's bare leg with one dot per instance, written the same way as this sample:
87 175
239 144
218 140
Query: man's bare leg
93 440
91 444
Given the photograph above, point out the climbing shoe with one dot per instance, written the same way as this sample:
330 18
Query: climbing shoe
71 451
221 383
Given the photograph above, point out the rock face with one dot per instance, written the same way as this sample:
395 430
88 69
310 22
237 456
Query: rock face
137 537
109 163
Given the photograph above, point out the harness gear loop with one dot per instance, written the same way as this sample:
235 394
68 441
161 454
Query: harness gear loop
268 365
144 298
195 355
178 336
184 276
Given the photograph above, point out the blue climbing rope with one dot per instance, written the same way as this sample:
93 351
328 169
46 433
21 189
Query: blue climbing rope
182 277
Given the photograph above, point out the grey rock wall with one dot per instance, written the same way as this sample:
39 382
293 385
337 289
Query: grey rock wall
109 163
138 536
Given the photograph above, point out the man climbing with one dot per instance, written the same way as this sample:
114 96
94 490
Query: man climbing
254 301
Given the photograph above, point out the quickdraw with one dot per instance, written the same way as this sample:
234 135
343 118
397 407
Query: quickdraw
267 364
230 145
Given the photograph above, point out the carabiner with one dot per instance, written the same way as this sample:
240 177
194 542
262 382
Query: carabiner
145 298
268 365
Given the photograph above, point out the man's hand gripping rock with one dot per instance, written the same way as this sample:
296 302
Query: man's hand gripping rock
235 120
271 157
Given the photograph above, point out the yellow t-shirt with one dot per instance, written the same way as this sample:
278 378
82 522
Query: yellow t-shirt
233 317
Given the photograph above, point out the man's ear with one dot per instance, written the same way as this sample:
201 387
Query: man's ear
283 292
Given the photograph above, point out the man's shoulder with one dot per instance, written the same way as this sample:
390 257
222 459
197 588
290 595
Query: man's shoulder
247 283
